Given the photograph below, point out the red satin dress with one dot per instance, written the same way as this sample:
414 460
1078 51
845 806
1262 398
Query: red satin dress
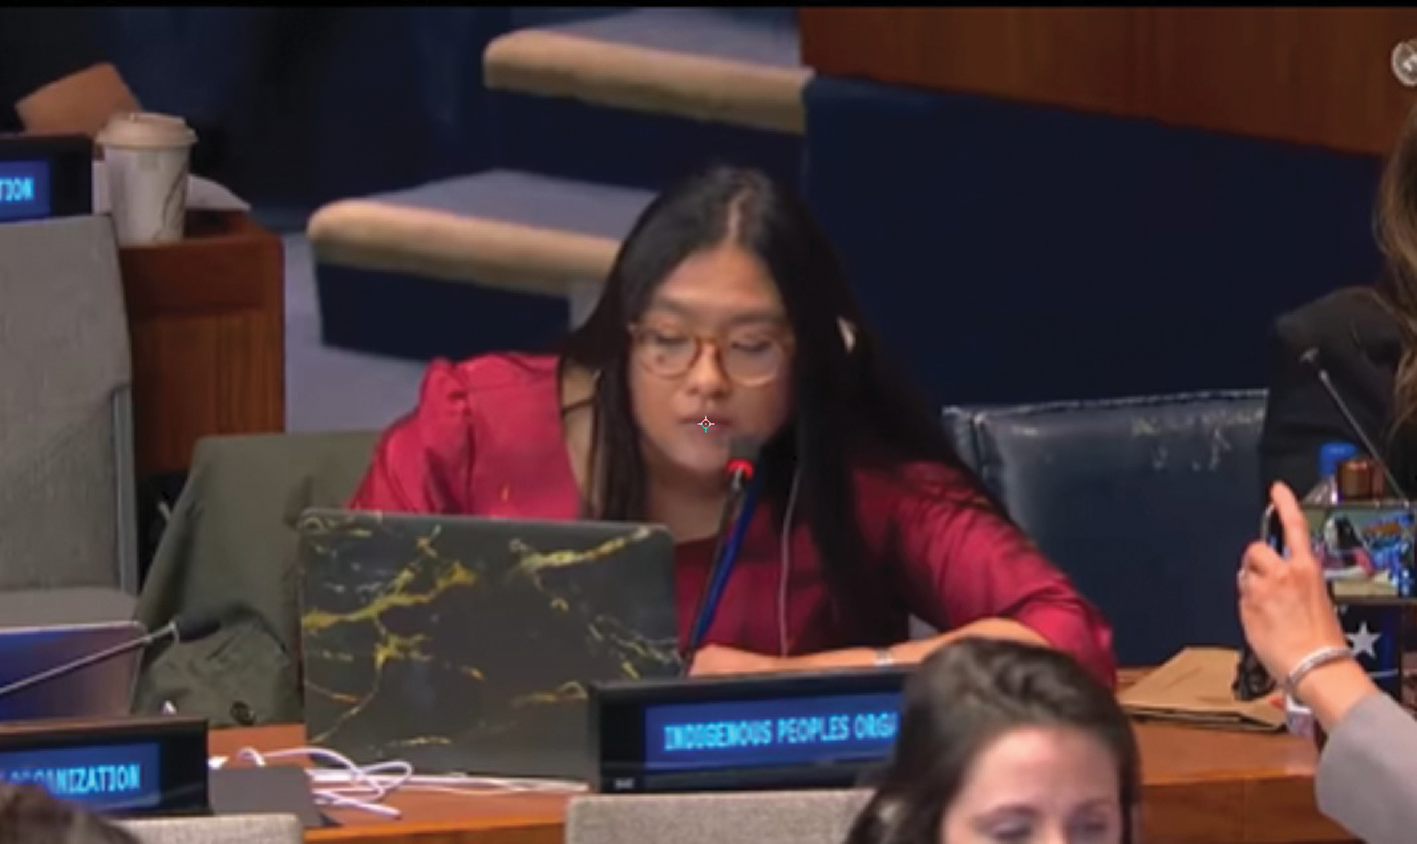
486 439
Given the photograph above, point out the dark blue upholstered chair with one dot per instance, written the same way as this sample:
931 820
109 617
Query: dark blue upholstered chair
1147 503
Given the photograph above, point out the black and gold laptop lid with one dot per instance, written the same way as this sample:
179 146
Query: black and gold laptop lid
465 644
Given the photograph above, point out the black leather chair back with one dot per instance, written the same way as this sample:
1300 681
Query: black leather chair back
1147 503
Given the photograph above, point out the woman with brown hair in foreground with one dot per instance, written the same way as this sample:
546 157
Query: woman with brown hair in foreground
1006 741
30 815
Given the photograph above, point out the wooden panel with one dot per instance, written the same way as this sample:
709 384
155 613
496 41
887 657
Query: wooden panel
1193 811
207 323
1316 76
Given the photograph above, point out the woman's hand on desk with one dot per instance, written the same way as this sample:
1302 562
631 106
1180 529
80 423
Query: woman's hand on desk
720 659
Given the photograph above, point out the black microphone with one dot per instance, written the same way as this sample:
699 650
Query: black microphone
742 462
1311 357
179 629
742 456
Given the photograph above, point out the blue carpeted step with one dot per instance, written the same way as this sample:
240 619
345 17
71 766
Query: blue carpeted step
648 94
318 74
495 260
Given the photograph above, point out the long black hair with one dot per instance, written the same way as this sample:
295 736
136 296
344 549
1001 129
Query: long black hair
963 697
848 403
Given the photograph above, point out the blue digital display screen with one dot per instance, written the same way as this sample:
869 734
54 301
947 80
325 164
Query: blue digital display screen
24 190
770 732
120 776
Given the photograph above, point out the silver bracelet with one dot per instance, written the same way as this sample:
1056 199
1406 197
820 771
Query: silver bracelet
1321 657
884 657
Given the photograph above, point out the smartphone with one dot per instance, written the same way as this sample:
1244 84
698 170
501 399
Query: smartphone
1274 530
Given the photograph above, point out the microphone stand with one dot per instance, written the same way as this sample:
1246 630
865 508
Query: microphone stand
167 631
724 556
1311 358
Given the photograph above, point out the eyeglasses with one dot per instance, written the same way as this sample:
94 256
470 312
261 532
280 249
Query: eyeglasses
750 358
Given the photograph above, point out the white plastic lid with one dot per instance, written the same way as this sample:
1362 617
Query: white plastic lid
146 130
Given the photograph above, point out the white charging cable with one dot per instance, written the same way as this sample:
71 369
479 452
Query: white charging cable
363 790
347 785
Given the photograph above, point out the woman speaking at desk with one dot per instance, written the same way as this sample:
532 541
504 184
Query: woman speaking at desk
726 314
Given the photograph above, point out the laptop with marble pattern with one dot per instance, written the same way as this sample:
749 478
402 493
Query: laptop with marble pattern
465 644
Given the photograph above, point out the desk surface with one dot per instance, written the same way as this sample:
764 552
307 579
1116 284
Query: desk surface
1201 786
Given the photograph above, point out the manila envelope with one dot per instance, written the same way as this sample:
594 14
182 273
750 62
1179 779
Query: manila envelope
1193 687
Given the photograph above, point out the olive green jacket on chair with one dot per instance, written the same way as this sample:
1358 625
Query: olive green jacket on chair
231 547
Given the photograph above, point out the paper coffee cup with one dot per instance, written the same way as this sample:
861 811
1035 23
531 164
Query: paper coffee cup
146 157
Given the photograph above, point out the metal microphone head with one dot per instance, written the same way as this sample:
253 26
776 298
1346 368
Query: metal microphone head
1404 62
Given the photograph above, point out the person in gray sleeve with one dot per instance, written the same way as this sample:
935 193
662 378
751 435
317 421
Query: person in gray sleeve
1367 774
